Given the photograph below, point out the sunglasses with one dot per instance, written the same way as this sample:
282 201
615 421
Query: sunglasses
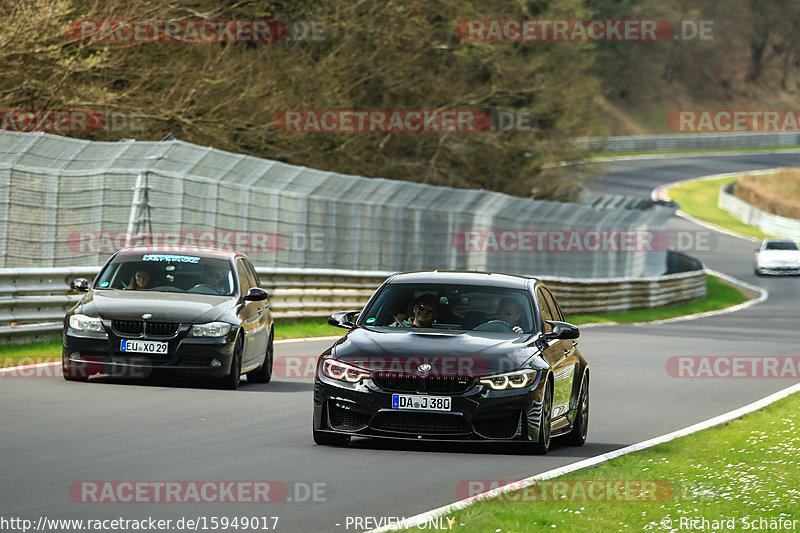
426 307
505 313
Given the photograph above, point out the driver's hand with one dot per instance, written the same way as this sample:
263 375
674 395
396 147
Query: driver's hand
517 329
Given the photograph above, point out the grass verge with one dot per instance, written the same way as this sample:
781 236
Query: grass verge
736 474
699 199
719 296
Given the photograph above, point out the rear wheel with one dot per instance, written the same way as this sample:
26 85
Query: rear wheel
263 374
542 444
577 437
231 381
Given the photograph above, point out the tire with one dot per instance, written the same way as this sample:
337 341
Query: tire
231 381
72 373
542 444
330 439
263 374
577 436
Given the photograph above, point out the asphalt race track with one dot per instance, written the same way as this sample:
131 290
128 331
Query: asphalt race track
56 434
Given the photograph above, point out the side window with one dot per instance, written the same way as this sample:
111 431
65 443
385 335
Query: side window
544 309
253 275
244 278
551 302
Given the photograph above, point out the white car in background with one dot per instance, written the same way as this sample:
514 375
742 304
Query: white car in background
777 256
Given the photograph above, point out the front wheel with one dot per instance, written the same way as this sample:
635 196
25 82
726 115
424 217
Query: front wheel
577 437
231 381
542 444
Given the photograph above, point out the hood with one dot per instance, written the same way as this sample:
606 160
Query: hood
164 306
402 351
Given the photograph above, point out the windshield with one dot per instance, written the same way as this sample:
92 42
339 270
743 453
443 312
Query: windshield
168 273
451 307
780 245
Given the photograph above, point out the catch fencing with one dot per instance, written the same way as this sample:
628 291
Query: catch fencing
66 202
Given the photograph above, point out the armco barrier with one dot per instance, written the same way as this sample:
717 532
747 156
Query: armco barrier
689 141
749 214
33 301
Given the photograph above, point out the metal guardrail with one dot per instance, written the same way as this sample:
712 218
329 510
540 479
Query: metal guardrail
749 214
33 301
689 141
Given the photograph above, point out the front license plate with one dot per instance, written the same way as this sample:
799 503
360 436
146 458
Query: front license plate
425 403
144 347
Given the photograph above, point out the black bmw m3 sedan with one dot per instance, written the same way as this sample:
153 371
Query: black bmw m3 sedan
454 356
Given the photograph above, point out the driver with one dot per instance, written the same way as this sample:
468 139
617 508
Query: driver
425 309
509 310
216 278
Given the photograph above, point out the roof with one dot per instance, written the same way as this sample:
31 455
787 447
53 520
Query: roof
464 277
215 253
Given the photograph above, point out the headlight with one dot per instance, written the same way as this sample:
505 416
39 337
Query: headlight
342 371
86 323
511 380
212 329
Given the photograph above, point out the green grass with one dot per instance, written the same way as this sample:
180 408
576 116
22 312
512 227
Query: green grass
743 470
699 199
719 296
306 328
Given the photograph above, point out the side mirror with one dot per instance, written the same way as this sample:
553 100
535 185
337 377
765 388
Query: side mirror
80 285
343 319
256 294
562 330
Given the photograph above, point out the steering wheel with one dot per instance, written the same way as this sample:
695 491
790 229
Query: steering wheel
205 286
499 326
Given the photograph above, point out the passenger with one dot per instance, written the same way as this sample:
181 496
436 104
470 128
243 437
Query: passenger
509 310
140 280
425 309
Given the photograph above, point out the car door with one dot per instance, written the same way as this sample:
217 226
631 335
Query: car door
248 314
264 320
559 353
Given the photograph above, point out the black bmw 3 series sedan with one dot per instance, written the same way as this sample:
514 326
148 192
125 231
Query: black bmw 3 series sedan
197 312
454 356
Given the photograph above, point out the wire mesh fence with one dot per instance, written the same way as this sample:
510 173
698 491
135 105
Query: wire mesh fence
66 202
